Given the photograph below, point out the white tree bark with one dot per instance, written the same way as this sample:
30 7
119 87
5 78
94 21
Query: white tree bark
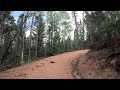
29 56
23 29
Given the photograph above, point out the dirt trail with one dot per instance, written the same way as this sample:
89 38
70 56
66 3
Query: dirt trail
54 67
75 69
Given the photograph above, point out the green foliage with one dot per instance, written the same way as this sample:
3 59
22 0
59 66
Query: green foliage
51 33
68 44
102 27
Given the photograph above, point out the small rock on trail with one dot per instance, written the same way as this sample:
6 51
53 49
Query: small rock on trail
52 62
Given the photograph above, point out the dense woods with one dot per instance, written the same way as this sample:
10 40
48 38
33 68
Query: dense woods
50 34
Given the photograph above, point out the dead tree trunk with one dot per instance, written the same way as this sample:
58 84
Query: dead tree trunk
4 55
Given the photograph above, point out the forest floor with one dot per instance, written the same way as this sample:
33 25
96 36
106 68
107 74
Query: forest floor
70 65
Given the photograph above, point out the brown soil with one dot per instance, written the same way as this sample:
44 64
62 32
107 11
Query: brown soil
55 67
90 68
72 65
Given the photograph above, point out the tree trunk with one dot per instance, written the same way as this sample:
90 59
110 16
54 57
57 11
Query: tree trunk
37 45
83 33
74 15
37 39
23 32
7 49
29 55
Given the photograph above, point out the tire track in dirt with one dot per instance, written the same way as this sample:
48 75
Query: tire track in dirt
75 70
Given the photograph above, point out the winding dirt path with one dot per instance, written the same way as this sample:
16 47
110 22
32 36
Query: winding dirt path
54 67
